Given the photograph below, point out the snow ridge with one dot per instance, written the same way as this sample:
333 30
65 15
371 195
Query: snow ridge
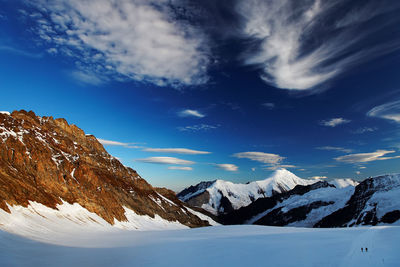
240 195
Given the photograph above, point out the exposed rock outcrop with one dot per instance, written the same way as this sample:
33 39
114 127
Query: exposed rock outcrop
48 160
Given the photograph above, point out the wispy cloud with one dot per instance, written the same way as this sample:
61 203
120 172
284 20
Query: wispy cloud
334 122
365 130
177 151
366 157
267 158
180 168
166 160
227 167
303 44
151 41
197 128
116 143
334 148
389 111
19 52
191 113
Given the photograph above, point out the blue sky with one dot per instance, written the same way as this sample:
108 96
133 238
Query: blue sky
185 91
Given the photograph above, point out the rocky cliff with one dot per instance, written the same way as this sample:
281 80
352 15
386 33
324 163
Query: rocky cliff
49 161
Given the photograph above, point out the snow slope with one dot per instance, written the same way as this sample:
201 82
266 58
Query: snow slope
40 222
240 195
210 246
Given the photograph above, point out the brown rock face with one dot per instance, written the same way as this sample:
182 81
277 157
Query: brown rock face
45 160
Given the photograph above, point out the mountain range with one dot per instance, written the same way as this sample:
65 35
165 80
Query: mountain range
287 200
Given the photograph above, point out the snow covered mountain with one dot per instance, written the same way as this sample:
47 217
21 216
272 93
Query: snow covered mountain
54 175
375 201
221 197
337 203
303 206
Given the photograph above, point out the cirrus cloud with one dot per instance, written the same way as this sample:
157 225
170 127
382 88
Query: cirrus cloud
177 151
334 148
166 160
180 168
267 158
389 111
302 44
191 113
227 167
117 143
366 157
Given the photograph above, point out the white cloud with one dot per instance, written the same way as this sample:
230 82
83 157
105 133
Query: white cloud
141 40
389 111
319 177
262 157
334 148
190 113
166 160
116 143
227 167
111 143
177 151
362 167
197 128
334 122
366 157
180 168
302 44
358 172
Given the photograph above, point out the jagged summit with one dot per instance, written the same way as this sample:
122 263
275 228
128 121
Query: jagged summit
48 161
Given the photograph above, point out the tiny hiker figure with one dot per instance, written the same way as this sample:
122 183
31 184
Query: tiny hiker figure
362 250
366 249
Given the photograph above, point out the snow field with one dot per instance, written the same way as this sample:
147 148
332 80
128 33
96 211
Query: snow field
211 246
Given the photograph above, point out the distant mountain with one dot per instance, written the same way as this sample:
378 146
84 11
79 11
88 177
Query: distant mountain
338 203
221 197
287 200
53 169
294 208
